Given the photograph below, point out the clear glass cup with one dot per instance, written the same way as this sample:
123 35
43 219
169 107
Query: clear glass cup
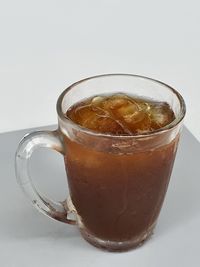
117 184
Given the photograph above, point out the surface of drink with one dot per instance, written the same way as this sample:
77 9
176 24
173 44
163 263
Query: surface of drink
118 195
120 114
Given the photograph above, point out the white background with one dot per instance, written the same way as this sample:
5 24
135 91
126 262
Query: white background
47 45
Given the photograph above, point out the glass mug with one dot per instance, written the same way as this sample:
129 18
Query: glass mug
117 184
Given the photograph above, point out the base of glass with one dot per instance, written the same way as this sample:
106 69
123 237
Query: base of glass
115 246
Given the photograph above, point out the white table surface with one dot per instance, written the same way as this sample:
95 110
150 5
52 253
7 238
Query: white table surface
47 45
28 238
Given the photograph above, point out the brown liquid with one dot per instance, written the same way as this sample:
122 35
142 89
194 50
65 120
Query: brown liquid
118 194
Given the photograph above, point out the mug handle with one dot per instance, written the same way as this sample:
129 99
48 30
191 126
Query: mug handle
49 139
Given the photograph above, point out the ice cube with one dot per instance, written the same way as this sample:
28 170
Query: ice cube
114 102
109 125
100 111
134 117
128 109
160 114
160 118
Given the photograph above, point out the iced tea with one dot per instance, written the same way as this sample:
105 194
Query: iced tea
118 184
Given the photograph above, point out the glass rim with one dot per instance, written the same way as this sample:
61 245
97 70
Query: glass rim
164 129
